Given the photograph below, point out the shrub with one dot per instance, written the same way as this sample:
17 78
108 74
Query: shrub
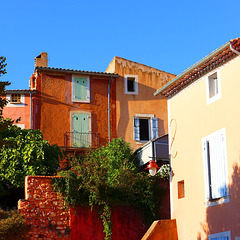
12 226
110 176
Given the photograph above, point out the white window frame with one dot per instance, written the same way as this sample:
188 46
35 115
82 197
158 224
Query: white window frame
11 104
211 202
220 235
88 89
150 117
21 125
135 85
218 95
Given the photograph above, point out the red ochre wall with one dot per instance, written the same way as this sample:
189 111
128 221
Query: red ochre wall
54 106
48 217
43 210
127 224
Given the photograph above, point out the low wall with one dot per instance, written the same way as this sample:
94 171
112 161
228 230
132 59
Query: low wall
48 218
43 210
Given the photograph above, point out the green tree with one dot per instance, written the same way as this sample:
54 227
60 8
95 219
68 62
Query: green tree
25 153
3 85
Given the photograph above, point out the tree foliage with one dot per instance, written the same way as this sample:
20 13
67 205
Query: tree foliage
3 85
25 153
110 176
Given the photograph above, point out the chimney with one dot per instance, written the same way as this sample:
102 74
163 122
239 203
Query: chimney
41 60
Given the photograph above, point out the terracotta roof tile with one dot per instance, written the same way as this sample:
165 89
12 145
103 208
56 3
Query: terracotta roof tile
62 70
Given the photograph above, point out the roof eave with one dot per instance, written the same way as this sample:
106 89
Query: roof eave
76 72
212 54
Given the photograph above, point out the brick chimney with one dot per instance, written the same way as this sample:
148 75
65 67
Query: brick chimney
41 60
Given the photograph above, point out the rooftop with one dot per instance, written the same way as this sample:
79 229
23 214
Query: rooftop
62 70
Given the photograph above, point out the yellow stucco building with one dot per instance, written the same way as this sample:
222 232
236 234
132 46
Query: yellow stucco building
204 141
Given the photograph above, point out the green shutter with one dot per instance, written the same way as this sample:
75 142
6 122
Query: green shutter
80 130
80 88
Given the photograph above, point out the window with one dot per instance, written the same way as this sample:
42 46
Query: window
131 84
220 236
15 98
215 166
213 87
145 127
80 89
181 190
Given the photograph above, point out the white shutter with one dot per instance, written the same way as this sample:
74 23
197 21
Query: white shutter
136 129
217 166
154 128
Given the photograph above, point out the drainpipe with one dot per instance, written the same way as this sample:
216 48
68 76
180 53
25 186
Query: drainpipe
234 50
30 111
109 111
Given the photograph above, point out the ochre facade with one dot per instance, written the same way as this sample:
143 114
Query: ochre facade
130 105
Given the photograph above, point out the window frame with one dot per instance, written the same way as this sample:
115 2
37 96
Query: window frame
207 169
150 118
87 100
15 104
135 92
220 235
218 94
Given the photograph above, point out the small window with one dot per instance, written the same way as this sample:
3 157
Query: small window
145 128
131 84
15 98
213 87
181 190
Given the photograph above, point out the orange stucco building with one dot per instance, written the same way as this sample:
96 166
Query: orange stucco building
140 116
73 108
204 137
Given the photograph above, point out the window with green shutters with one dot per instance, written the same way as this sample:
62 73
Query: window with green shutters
80 89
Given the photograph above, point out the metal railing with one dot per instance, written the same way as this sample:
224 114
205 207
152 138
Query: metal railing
81 140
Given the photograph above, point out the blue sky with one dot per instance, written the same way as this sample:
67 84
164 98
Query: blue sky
86 35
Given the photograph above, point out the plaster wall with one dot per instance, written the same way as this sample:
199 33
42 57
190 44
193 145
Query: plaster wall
55 106
127 106
21 110
190 120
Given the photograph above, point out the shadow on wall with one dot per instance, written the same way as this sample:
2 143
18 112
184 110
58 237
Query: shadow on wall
225 217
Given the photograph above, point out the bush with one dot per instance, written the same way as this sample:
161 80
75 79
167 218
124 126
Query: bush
12 226
110 176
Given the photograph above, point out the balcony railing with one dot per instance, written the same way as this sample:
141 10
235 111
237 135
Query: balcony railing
81 140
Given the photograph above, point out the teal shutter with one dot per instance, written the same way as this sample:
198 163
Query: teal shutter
80 88
80 130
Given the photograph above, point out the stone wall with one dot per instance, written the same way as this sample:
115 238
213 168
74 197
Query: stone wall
43 210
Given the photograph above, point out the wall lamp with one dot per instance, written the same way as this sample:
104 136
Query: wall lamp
152 167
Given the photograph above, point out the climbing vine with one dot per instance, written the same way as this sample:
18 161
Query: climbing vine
110 176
